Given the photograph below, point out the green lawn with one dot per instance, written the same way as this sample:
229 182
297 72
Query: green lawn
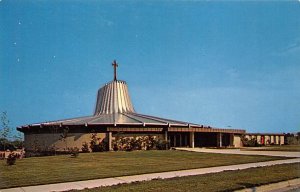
55 169
277 148
224 181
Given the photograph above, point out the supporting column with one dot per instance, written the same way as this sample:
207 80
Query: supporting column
180 140
263 140
231 137
219 139
110 148
192 140
281 140
174 136
277 140
258 139
272 139
166 135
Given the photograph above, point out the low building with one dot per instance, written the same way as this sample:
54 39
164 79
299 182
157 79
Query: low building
114 117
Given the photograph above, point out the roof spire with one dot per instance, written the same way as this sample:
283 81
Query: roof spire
115 65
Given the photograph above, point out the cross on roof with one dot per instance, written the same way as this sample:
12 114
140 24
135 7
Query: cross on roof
115 65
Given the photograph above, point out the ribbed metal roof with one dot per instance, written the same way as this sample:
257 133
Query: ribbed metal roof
131 119
113 98
114 107
117 119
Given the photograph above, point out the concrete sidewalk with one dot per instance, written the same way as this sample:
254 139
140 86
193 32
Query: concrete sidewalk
283 186
243 152
134 178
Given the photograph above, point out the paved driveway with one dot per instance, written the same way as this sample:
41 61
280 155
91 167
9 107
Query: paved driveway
242 152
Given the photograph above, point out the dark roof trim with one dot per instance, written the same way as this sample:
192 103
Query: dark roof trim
265 134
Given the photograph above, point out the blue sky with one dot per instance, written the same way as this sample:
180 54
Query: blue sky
224 64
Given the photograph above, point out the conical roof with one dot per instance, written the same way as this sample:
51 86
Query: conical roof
113 98
114 107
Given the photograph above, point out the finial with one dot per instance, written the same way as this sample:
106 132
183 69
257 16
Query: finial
115 65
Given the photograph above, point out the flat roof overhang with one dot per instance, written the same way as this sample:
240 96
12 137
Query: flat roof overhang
265 134
205 129
134 129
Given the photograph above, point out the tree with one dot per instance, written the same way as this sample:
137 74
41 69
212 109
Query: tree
292 139
5 130
7 140
17 141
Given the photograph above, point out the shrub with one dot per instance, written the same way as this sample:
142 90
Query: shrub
50 151
74 151
134 143
150 142
292 140
97 145
162 145
125 144
104 146
250 142
11 159
2 155
85 147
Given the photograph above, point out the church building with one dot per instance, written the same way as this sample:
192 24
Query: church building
115 115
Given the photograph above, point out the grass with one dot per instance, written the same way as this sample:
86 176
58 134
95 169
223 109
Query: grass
55 169
224 181
295 148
